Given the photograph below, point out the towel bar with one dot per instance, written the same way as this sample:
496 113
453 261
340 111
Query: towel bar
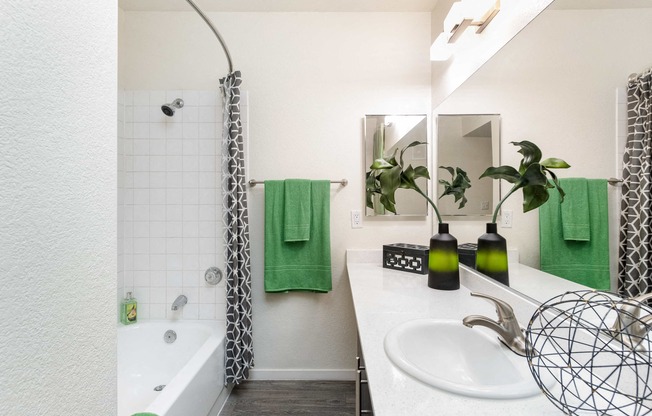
254 182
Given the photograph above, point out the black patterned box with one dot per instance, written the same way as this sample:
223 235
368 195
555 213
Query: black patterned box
406 257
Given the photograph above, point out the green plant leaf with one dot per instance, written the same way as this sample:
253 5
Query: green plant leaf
534 196
531 154
381 164
449 169
421 172
388 204
534 176
415 143
507 173
407 178
555 181
554 163
389 180
460 183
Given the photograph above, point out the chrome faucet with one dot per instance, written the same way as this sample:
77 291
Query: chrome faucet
179 302
629 328
507 327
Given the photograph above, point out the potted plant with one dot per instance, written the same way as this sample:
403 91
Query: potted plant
532 178
386 175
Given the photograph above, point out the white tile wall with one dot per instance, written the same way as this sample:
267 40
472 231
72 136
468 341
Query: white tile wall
170 202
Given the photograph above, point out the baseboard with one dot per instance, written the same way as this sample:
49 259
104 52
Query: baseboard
221 401
280 374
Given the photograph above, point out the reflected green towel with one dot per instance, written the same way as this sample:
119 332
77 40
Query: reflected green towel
583 262
575 218
296 218
298 265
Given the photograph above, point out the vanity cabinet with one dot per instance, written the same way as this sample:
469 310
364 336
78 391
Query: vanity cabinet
362 397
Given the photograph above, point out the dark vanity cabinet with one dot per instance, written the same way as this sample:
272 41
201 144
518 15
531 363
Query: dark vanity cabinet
362 396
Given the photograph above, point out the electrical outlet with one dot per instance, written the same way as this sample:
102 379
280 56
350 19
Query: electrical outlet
484 205
506 218
356 218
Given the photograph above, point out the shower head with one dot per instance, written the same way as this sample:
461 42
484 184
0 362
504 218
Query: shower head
169 109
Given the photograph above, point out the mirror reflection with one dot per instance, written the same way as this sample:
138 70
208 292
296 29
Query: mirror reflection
561 83
462 138
387 134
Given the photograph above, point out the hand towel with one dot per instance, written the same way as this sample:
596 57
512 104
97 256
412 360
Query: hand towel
583 262
296 218
575 216
297 265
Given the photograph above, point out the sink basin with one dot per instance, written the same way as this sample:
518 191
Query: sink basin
447 355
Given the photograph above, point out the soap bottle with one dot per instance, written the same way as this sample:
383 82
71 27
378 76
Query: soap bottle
128 310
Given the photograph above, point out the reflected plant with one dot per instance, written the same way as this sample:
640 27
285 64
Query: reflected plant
531 176
388 174
457 187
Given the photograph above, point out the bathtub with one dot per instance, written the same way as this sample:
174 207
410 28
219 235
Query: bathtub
191 368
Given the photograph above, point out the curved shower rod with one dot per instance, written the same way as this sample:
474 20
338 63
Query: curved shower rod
217 34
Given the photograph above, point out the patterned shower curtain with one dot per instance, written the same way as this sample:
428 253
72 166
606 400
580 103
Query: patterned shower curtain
239 350
635 240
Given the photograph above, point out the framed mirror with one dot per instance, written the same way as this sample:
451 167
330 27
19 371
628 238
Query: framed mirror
471 142
387 134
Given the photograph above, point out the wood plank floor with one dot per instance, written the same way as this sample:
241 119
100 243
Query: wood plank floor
313 398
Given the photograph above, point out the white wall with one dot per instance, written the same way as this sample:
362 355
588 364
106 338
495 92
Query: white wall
557 88
472 50
311 78
58 208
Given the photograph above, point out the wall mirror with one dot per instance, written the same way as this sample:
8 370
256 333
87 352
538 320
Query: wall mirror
471 142
386 134
560 83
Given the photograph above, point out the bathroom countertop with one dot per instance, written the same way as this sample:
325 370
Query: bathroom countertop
384 298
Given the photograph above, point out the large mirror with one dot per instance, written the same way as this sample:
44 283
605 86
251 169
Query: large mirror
471 142
384 136
561 83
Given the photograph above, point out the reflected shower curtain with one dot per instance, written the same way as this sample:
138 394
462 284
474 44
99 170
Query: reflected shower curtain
635 239
239 350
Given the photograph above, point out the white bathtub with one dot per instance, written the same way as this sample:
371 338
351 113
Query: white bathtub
191 368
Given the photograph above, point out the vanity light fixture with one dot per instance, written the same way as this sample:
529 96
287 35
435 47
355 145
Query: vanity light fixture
462 14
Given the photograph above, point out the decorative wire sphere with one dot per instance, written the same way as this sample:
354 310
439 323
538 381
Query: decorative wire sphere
584 353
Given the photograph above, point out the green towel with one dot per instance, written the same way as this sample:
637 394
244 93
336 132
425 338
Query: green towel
583 262
296 219
575 218
298 265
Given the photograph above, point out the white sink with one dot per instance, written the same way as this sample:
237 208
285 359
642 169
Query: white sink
467 361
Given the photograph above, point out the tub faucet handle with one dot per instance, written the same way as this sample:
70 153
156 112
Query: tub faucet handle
179 302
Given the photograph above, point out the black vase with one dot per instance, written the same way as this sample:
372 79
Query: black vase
491 257
443 262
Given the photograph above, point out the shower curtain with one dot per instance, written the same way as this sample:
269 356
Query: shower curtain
239 350
635 239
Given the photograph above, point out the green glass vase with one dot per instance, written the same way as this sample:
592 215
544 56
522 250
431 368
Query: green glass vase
491 257
443 261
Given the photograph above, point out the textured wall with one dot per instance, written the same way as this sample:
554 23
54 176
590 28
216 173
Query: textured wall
58 208
311 78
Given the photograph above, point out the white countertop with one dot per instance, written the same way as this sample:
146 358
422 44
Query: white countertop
385 298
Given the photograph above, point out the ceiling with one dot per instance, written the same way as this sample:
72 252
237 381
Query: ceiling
600 4
282 5
346 5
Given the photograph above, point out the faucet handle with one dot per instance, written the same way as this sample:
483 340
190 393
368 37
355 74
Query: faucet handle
642 298
503 309
635 310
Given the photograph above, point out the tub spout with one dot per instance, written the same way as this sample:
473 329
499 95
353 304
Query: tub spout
179 302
